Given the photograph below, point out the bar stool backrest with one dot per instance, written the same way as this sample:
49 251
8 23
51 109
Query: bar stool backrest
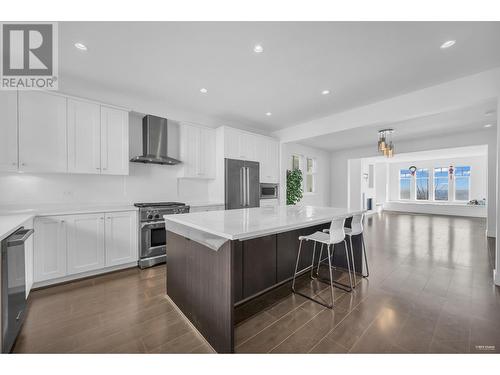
357 224
337 231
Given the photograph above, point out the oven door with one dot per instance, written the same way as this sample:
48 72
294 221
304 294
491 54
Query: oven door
153 239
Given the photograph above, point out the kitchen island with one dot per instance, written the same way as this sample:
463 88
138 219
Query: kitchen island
220 259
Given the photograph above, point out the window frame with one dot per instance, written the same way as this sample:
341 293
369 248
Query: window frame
428 185
312 174
448 190
410 178
461 177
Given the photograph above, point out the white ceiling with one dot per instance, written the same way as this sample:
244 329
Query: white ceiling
360 62
462 120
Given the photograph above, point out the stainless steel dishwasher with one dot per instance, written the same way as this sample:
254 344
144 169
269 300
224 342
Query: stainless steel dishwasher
13 286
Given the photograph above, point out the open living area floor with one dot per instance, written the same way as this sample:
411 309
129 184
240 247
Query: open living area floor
430 290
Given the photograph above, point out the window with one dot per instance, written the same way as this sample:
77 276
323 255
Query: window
404 184
462 183
295 162
422 184
310 175
441 184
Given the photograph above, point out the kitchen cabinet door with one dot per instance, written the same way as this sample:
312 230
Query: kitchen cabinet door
85 242
49 248
269 159
259 264
190 151
121 238
8 131
247 144
114 141
197 152
84 137
42 132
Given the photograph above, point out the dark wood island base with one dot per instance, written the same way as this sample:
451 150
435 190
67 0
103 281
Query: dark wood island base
206 285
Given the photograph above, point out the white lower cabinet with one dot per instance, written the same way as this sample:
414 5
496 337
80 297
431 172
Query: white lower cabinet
50 248
121 238
85 242
69 245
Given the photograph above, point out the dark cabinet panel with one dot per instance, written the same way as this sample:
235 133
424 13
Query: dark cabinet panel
287 248
259 264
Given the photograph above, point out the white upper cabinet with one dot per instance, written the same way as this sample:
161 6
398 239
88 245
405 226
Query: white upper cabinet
197 151
121 238
240 145
85 242
268 150
114 141
42 132
84 137
8 131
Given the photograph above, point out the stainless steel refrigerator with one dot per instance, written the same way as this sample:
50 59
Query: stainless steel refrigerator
241 184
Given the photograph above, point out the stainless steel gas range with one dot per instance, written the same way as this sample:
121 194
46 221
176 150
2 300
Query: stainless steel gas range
152 234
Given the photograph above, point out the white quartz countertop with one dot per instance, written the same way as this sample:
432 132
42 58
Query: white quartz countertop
65 208
13 216
259 221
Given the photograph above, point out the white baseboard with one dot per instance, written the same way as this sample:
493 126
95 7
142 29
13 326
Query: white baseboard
59 280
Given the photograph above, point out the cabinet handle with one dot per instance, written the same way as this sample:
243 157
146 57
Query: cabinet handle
98 168
102 218
62 221
23 164
14 163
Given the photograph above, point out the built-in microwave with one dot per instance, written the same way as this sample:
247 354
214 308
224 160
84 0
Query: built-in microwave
269 191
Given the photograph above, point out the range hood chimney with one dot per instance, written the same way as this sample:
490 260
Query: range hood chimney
154 142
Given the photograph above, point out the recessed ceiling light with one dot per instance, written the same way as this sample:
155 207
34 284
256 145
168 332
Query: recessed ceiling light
447 44
81 46
268 113
325 92
489 113
488 126
258 48
203 90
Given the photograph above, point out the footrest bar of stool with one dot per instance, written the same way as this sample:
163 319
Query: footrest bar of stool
337 284
313 299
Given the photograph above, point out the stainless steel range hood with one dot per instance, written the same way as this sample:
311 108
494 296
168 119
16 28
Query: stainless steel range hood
154 142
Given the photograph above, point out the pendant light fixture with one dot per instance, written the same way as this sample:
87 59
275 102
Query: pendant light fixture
385 144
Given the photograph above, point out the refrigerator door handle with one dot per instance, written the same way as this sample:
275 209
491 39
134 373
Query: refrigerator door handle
242 187
247 169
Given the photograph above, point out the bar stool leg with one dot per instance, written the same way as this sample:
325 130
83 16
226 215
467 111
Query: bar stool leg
353 265
364 255
348 263
331 275
312 261
296 266
319 259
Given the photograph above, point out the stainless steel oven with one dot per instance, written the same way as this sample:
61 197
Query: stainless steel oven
269 191
152 234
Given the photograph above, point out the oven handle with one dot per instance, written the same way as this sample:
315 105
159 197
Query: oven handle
153 224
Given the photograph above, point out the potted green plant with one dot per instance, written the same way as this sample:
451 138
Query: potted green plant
293 186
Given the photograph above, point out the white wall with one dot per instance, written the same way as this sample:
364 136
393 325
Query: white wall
381 187
478 179
339 185
322 195
146 182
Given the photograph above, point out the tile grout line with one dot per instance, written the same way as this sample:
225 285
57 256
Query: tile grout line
277 320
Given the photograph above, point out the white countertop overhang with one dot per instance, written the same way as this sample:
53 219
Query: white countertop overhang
248 223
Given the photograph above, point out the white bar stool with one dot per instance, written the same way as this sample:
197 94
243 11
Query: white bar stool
335 235
355 230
